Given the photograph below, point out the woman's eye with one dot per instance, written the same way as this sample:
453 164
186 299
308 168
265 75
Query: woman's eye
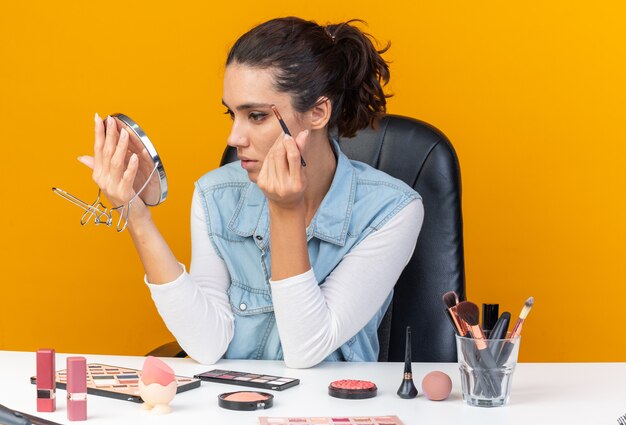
257 116
230 113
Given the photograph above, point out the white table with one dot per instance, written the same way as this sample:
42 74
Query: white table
543 393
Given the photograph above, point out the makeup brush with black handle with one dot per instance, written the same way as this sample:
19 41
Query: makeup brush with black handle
501 327
470 313
499 332
450 300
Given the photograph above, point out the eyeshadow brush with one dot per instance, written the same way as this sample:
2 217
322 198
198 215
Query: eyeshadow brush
469 312
517 330
285 129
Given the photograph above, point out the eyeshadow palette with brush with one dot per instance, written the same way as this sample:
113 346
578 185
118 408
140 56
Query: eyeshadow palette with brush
344 420
117 382
256 380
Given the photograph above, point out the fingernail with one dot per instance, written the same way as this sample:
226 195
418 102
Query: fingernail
96 117
133 157
109 120
123 133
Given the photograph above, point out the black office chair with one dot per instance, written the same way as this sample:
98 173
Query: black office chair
421 156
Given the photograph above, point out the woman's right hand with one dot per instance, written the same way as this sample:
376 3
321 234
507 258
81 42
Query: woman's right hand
110 172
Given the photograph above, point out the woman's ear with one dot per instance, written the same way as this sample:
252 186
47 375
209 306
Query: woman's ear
320 113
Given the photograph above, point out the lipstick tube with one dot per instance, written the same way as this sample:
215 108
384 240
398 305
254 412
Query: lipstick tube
46 382
76 389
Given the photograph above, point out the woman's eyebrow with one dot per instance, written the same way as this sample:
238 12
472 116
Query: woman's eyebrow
250 106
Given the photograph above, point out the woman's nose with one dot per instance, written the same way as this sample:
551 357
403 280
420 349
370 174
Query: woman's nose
237 137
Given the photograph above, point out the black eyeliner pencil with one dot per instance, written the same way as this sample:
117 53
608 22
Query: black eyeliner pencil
285 129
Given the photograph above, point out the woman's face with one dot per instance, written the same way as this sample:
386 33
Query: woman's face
248 96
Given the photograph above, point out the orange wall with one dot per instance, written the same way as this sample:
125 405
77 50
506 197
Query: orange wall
531 95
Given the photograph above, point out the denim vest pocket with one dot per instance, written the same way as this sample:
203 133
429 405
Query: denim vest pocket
248 301
255 325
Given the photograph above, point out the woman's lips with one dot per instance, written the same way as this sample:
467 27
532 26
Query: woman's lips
247 164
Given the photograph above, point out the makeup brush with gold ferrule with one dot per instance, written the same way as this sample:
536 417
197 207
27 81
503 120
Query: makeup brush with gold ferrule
470 313
517 330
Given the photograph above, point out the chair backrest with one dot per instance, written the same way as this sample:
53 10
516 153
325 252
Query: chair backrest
421 156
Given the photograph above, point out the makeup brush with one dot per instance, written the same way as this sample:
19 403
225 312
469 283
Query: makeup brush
450 300
501 327
469 312
407 387
517 330
499 332
285 129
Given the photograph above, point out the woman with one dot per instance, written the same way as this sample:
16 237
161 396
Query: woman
290 259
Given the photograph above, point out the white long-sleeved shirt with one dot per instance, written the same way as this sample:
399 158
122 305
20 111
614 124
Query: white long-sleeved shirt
313 320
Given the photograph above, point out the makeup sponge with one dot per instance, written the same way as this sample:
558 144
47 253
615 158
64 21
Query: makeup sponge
157 386
156 371
436 385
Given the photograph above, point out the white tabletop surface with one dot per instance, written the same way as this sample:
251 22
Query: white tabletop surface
543 393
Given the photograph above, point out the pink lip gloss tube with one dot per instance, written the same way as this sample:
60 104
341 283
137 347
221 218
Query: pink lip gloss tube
46 382
76 389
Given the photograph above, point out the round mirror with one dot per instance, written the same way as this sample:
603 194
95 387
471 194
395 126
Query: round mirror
150 181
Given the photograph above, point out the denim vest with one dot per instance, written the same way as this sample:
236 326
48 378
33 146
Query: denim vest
360 200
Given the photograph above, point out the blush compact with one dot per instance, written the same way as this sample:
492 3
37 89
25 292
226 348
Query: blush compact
352 389
245 400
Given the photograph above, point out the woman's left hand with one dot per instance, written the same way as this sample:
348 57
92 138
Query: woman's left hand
282 178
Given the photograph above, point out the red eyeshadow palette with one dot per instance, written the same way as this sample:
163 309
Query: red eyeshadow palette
256 380
118 382
339 420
